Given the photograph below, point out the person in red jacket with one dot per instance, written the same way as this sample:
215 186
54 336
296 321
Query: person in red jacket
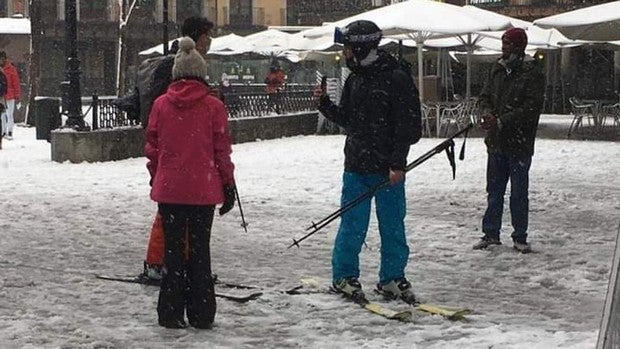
199 29
12 96
188 147
274 84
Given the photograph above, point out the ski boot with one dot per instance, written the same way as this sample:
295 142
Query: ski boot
350 288
152 274
397 289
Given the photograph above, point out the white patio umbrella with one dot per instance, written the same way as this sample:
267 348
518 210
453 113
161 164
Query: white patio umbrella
269 42
417 20
230 44
595 23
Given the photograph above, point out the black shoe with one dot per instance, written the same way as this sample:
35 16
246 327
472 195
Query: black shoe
485 242
173 324
202 325
522 246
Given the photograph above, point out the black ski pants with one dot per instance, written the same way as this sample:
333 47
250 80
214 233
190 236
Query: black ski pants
187 285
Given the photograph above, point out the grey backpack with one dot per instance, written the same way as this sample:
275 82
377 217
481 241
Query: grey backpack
152 80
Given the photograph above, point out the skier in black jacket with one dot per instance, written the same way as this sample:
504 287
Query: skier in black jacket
380 112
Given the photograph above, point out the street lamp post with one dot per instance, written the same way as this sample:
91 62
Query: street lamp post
71 86
165 15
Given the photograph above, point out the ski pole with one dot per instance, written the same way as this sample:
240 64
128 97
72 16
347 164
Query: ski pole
447 145
243 222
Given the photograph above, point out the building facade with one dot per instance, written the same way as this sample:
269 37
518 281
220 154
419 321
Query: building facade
9 8
315 12
98 33
529 10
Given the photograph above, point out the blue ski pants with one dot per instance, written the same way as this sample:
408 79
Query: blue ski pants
390 208
500 169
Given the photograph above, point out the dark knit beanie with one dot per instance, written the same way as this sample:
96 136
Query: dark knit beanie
516 36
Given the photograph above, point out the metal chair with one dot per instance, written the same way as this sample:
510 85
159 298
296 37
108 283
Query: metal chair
450 117
579 111
611 112
428 115
458 116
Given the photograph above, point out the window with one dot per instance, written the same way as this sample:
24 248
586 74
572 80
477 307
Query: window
188 8
259 17
240 13
92 10
3 8
60 10
158 9
150 9
18 7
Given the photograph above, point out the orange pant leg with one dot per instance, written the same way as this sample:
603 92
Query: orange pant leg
155 249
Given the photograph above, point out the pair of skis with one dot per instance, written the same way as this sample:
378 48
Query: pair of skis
450 313
453 314
150 282
310 286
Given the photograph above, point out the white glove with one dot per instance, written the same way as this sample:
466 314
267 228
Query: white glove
18 105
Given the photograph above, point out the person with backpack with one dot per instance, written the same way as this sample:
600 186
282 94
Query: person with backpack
11 95
380 112
188 146
152 80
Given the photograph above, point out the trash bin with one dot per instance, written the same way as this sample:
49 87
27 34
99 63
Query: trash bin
47 116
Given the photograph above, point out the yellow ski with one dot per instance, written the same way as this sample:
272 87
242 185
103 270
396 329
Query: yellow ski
447 312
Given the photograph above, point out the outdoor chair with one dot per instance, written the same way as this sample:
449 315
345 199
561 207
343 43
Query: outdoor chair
428 116
580 110
611 113
470 113
458 116
450 117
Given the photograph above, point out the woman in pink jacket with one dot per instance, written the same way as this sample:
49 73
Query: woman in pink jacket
188 147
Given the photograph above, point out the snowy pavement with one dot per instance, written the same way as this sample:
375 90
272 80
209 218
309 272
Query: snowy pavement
61 223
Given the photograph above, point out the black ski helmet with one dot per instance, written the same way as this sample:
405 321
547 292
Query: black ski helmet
362 36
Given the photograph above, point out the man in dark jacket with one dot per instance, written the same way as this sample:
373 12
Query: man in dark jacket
510 103
380 112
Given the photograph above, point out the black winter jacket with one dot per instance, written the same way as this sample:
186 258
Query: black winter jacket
380 112
516 99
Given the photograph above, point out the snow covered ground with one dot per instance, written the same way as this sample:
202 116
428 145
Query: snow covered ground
61 223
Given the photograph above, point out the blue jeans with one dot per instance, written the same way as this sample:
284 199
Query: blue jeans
500 169
390 209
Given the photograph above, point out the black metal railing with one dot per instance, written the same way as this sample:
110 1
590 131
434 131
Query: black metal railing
253 101
104 114
261 104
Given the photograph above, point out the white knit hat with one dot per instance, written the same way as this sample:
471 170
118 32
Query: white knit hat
188 62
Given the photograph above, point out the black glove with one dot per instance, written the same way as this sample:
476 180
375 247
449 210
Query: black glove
229 199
